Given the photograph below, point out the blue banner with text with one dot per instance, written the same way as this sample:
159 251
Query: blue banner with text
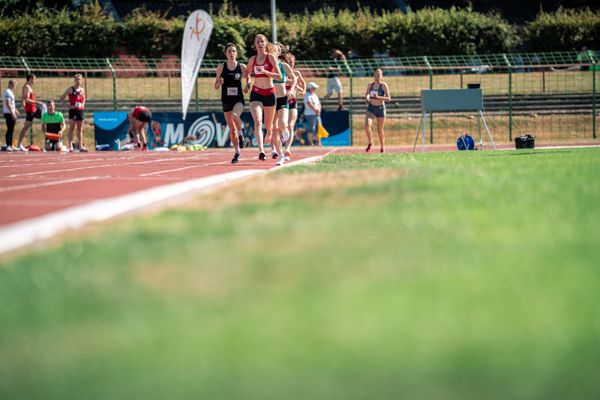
206 129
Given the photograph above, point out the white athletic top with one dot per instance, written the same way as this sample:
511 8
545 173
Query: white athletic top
8 101
315 100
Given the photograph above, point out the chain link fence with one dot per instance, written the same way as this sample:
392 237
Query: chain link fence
549 95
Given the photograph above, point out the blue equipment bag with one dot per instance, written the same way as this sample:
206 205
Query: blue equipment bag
465 142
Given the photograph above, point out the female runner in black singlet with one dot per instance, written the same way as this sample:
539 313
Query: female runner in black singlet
229 79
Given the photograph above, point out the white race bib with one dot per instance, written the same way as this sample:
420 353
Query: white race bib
232 91
373 93
78 105
258 69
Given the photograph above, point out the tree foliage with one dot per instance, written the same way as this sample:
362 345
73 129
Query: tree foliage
88 31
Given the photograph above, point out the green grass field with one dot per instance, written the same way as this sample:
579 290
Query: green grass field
415 276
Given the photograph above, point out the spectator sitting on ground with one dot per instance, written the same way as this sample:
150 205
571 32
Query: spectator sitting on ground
53 125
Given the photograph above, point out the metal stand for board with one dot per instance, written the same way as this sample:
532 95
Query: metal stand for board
449 100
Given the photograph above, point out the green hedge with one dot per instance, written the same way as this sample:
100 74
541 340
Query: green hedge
46 33
564 30
91 33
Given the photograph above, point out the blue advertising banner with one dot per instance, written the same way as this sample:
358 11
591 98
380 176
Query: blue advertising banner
207 129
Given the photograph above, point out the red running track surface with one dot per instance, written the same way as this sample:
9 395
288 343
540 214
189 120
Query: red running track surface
35 184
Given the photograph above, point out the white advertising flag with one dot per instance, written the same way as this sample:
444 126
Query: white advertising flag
195 39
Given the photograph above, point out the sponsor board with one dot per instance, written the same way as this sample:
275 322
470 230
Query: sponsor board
206 129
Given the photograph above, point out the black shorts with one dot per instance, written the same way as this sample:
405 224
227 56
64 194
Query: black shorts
144 116
292 105
76 115
266 100
229 104
282 102
31 115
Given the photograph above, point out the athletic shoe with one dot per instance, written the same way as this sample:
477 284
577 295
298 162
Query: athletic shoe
236 158
9 148
382 151
288 155
274 155
368 149
242 142
83 149
280 160
22 148
261 156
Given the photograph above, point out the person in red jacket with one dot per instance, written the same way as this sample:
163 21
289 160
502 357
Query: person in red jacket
76 96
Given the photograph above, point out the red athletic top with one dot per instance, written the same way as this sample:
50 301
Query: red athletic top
291 100
76 98
267 66
31 107
136 111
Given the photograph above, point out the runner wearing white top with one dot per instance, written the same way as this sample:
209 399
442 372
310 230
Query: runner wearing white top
10 113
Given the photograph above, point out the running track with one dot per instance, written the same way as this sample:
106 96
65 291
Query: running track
36 186
61 190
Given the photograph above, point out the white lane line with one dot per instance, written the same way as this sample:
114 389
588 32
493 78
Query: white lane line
308 160
101 166
40 164
42 184
31 231
184 168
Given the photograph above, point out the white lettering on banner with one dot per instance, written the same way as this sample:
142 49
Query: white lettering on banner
172 135
202 131
222 135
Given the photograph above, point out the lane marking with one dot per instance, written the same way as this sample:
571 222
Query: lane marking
42 184
100 166
184 168
24 233
31 231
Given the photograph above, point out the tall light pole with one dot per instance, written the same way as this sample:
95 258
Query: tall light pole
273 22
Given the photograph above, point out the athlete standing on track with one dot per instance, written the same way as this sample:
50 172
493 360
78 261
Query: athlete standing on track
229 79
76 95
282 109
263 68
293 104
31 107
377 94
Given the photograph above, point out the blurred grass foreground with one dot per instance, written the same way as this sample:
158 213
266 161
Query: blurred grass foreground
463 275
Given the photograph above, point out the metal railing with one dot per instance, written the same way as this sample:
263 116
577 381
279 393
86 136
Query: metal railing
550 95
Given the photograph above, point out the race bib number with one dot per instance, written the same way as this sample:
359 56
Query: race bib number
258 69
373 93
232 91
78 105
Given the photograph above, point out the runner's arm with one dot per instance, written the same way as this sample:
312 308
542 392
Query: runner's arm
218 78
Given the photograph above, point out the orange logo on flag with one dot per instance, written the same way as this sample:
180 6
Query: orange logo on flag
198 29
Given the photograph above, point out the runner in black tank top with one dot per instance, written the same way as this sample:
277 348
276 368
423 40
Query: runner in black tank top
232 97
231 89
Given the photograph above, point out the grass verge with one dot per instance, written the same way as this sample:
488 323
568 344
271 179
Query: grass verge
436 275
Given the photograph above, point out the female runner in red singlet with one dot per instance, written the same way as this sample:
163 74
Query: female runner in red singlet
262 69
